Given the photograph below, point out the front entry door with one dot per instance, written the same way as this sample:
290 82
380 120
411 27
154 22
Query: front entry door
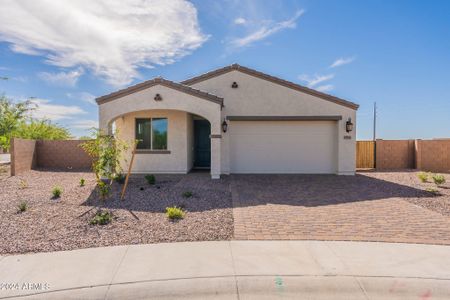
202 144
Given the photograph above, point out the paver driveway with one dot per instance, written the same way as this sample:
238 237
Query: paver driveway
365 207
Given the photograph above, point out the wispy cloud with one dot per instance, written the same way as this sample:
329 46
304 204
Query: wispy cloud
240 21
111 38
83 96
62 78
325 88
55 112
312 81
342 61
266 31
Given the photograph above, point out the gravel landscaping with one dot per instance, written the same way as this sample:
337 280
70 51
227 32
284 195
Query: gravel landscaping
52 224
438 201
377 206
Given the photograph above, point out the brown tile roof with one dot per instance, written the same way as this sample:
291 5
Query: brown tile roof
285 83
161 81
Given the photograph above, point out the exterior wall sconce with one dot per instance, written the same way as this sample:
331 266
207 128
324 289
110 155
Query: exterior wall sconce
349 125
224 126
234 85
157 97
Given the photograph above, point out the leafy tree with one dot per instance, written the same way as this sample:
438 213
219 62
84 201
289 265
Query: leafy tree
11 115
40 130
15 121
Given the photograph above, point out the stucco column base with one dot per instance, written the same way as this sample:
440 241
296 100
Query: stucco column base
348 173
215 156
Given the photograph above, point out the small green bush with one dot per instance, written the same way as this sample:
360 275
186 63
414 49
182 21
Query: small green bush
57 191
82 181
187 194
23 206
174 213
104 189
433 191
423 176
150 178
120 178
438 179
23 184
102 218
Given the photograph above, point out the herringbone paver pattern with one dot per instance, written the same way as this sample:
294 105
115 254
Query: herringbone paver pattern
366 207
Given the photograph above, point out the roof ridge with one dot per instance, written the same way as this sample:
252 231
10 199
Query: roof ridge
274 79
157 80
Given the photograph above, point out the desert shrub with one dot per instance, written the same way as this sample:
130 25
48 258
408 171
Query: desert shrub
423 176
102 218
23 184
433 191
103 189
150 178
438 179
120 178
187 194
174 213
82 181
23 206
57 191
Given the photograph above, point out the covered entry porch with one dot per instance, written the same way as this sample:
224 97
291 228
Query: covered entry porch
177 127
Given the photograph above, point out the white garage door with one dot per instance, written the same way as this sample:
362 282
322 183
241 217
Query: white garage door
283 146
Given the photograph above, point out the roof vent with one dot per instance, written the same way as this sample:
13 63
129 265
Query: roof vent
157 97
234 85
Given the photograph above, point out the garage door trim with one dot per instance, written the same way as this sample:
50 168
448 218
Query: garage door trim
284 118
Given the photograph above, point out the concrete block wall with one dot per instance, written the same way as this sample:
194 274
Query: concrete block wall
61 155
395 154
433 155
23 155
64 155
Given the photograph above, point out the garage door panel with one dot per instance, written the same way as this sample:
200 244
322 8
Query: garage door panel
283 147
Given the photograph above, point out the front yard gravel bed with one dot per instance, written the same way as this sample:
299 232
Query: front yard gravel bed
63 224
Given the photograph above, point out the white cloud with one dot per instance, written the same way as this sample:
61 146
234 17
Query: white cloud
312 81
84 124
325 88
54 112
342 61
112 38
240 21
83 96
62 78
266 31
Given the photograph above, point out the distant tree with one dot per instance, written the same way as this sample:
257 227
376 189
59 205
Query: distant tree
16 121
84 137
11 115
41 130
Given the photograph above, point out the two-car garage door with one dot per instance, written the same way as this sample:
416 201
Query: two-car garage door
283 147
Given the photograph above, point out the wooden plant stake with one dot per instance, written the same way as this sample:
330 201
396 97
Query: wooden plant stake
128 174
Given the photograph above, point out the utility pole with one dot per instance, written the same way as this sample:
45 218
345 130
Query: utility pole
374 121
375 134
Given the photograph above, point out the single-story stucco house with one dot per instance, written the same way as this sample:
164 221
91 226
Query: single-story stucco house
233 120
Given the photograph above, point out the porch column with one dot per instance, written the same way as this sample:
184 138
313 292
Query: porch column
215 155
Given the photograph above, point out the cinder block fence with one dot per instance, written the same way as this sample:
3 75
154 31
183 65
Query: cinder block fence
426 155
62 155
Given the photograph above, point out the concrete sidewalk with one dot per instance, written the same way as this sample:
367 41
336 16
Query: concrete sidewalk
232 270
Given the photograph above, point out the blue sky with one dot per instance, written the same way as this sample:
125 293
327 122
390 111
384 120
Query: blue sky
396 53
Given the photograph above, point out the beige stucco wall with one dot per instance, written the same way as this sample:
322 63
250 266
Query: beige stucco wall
256 96
177 142
176 105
